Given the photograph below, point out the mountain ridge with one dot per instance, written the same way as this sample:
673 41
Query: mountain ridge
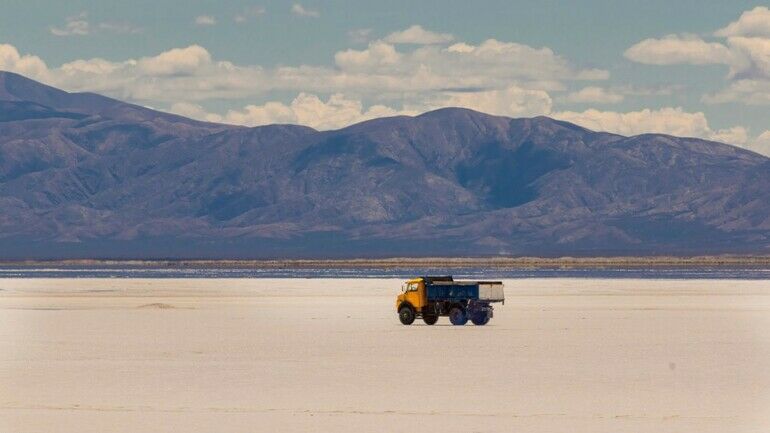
109 179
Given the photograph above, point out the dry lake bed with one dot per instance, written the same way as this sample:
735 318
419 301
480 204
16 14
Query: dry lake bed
298 355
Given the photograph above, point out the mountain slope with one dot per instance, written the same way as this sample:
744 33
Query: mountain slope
85 175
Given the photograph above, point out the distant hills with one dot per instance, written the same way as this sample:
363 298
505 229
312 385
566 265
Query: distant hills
82 175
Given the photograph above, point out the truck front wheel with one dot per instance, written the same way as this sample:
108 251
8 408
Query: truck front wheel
406 315
480 319
457 316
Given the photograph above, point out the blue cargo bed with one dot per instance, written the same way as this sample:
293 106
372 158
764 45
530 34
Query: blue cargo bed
452 292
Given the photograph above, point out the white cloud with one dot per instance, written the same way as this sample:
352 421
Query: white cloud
755 22
377 54
674 121
31 66
299 10
751 92
491 65
426 78
503 78
667 120
754 61
306 109
249 13
76 25
205 20
594 95
120 28
359 36
194 111
678 49
745 50
737 135
93 66
513 102
379 73
761 144
419 36
179 61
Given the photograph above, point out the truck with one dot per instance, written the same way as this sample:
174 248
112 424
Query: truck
434 297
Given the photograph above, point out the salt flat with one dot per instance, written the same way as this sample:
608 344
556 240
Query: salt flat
294 355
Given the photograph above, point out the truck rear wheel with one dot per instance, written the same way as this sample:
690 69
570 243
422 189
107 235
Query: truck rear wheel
406 315
457 316
429 320
480 319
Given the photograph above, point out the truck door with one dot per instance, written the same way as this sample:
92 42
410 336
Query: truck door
415 294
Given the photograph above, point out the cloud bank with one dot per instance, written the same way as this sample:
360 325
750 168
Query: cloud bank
743 46
415 70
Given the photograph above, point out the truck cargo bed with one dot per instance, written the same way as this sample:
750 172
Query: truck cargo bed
489 291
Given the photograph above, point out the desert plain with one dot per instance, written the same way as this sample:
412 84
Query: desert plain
323 355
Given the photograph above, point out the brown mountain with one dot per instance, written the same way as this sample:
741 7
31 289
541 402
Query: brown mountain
82 175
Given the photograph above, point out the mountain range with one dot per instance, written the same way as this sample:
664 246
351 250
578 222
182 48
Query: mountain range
83 175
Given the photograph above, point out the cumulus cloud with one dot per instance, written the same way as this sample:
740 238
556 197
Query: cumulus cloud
745 49
761 144
674 121
751 92
491 65
419 36
412 82
31 66
302 11
737 135
512 101
76 25
205 20
179 61
667 120
755 22
94 66
194 111
306 109
677 49
379 73
249 13
121 28
594 95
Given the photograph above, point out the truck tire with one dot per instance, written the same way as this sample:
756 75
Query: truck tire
457 316
429 320
406 315
480 319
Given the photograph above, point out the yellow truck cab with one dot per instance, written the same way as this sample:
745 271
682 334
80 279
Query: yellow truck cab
413 292
433 297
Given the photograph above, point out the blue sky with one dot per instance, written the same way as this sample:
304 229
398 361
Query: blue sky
697 68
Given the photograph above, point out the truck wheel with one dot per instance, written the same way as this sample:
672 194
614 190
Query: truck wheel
457 316
480 319
429 320
406 315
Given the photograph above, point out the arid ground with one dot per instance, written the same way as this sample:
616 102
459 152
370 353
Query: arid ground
297 355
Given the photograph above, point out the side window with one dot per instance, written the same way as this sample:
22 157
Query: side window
412 287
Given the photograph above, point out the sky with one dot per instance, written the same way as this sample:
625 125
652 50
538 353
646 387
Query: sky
692 68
